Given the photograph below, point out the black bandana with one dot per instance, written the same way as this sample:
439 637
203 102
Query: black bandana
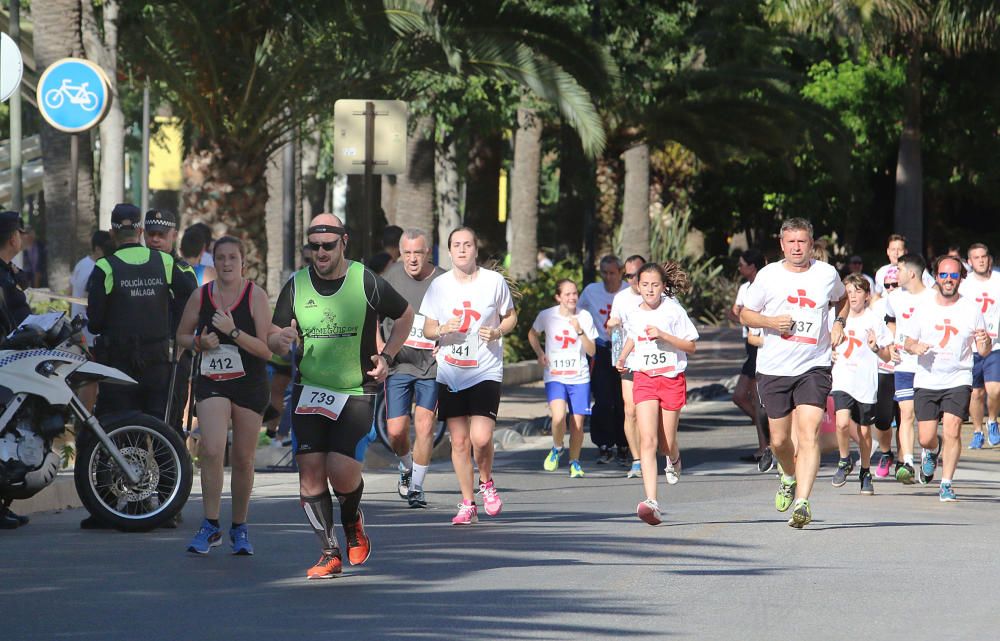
326 229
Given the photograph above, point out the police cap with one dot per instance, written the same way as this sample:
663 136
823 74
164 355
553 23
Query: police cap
160 220
9 221
125 216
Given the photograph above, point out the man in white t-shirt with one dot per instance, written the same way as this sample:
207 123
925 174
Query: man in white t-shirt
900 306
791 301
895 249
983 287
607 417
625 302
946 333
100 244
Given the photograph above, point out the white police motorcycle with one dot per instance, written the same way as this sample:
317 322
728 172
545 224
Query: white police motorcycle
132 470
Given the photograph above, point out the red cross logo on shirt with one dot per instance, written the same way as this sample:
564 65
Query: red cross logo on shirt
948 329
851 343
908 314
801 299
468 315
986 301
565 339
606 313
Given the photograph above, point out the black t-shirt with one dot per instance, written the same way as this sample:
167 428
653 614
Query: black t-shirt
383 301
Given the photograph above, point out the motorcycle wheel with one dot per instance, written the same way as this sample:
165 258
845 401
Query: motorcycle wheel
164 465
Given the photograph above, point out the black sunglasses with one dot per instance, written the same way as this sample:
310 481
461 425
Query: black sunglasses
891 285
330 246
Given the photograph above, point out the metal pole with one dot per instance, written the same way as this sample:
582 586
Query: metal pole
144 172
369 178
16 185
74 168
288 208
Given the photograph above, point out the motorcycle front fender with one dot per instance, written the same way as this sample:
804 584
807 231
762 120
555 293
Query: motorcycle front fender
106 374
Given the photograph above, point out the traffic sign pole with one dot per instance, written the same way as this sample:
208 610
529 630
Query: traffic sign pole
16 174
369 178
74 169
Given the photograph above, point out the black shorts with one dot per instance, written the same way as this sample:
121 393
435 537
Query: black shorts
781 394
931 404
750 364
886 409
861 413
248 394
482 399
628 375
349 435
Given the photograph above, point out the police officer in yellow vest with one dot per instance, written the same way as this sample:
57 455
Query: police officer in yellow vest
131 296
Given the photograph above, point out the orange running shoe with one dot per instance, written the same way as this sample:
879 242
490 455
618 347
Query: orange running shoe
359 546
328 566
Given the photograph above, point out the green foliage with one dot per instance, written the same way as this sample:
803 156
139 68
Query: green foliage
537 294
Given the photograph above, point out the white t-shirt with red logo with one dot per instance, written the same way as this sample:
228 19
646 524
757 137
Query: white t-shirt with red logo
901 305
626 301
463 358
806 297
657 357
563 347
855 369
950 331
985 293
878 307
598 301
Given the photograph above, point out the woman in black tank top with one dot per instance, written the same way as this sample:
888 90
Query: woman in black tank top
223 323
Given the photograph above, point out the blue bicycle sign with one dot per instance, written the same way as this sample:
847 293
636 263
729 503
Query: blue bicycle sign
73 94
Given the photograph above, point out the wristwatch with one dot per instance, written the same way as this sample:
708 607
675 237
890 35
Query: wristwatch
235 333
388 359
841 320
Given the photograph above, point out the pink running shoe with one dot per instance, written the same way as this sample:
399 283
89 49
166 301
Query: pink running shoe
467 514
649 512
491 500
884 465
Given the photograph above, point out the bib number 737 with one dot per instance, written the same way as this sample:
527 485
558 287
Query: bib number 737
317 400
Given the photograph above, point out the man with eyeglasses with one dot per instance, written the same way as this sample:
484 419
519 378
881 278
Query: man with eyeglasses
626 302
607 417
947 331
983 287
900 306
326 317
413 375
896 248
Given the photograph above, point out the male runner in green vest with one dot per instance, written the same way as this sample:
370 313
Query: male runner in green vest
327 316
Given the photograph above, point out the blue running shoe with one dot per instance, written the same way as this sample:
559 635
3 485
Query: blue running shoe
241 540
994 430
946 494
208 537
928 463
977 441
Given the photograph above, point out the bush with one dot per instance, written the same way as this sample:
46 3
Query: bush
533 296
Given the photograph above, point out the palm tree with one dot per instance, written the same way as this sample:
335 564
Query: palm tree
953 27
524 194
57 35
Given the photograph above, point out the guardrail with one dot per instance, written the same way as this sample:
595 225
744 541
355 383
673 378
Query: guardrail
31 169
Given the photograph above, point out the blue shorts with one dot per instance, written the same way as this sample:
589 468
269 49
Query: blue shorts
577 396
402 389
985 370
904 386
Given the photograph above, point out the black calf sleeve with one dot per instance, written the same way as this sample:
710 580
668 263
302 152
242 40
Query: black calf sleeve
349 504
319 511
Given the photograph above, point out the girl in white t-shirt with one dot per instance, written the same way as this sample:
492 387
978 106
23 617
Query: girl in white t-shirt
855 380
569 339
662 335
468 310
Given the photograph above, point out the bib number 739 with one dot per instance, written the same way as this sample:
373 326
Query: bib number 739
317 400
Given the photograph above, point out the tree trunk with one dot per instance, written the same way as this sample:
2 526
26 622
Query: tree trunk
103 49
57 35
313 189
415 188
223 187
446 193
607 206
576 196
525 176
635 207
273 175
909 206
482 192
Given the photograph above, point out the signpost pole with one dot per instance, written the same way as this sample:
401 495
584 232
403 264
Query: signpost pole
74 168
144 171
369 177
16 185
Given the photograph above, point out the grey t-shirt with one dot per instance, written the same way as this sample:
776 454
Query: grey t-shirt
409 360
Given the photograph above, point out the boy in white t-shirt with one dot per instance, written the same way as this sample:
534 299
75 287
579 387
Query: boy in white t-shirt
791 301
569 339
946 333
855 380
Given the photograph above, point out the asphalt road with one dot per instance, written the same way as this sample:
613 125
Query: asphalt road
567 559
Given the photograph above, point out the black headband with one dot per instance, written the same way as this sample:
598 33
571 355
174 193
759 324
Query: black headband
325 229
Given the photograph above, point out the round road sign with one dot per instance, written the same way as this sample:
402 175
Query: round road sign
11 67
73 94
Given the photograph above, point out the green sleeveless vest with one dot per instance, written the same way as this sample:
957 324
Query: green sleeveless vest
331 329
